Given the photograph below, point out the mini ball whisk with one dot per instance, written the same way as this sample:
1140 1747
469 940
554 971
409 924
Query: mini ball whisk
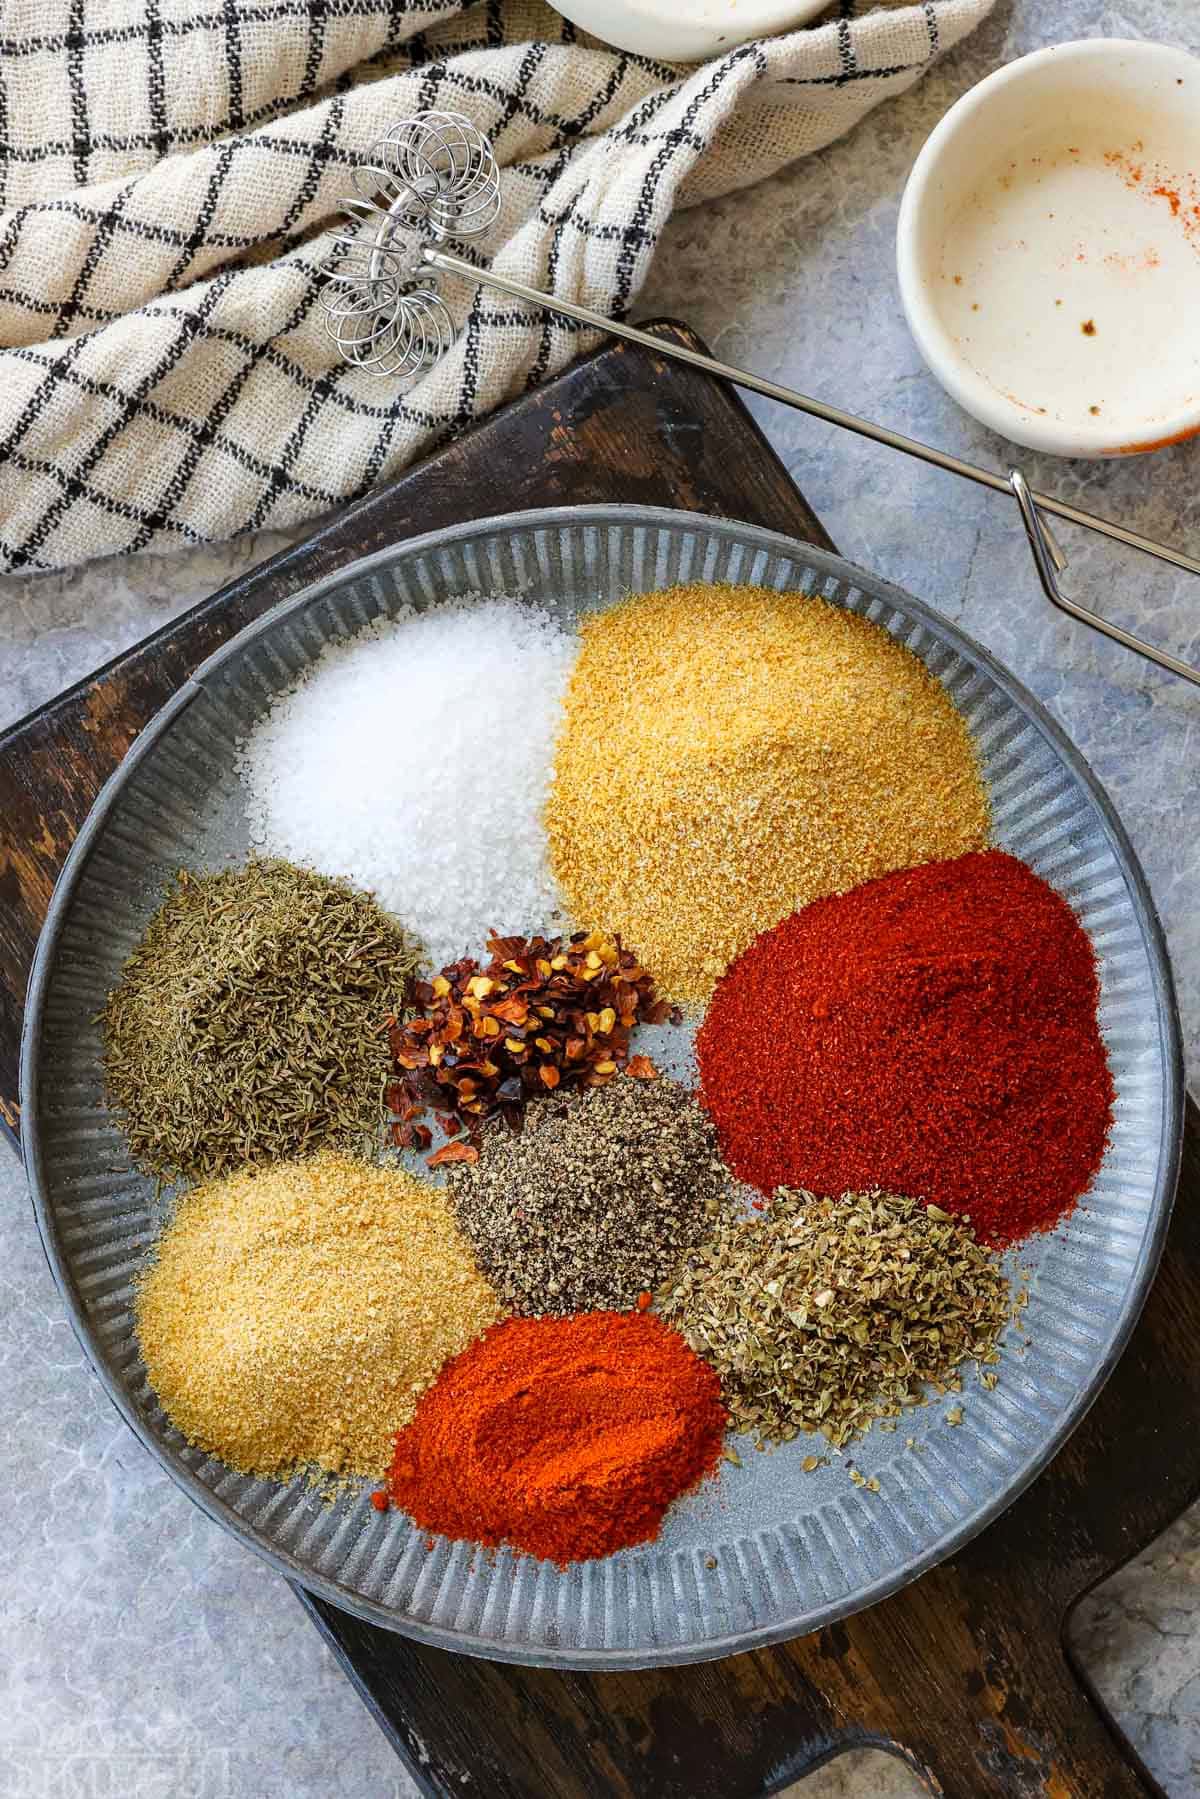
435 177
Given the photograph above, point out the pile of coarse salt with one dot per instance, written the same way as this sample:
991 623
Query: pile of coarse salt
414 759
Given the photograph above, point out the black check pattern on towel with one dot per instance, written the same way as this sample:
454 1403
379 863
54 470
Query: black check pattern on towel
170 175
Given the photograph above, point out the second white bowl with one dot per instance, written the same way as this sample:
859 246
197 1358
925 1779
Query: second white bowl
685 30
1048 249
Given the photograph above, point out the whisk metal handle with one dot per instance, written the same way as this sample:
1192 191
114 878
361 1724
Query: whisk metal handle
1048 561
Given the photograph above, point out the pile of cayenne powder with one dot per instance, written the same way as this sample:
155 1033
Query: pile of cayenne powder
730 753
597 1200
293 1315
567 1438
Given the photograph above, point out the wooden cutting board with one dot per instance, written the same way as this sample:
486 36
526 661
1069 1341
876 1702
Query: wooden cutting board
963 1674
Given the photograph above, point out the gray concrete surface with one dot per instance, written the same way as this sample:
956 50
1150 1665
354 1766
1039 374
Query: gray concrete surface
142 1651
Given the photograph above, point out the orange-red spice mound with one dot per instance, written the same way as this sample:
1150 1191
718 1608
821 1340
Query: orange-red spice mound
566 1438
933 1032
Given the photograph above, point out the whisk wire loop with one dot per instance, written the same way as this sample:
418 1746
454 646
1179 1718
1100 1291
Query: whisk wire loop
433 175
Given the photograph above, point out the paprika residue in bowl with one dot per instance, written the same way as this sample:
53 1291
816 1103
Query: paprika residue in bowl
933 1032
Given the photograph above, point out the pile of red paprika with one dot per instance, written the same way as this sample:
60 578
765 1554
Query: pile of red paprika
933 1032
566 1438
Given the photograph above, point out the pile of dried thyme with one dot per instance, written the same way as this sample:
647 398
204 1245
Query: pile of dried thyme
828 1314
593 1205
250 1022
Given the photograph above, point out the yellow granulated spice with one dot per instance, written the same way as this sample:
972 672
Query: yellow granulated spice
731 753
294 1314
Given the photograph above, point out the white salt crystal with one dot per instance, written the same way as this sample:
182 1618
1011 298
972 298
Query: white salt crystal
414 760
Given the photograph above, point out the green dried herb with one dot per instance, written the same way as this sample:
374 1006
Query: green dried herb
828 1314
250 1022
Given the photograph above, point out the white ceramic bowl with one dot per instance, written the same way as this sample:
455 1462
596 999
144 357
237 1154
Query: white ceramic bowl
685 30
1049 249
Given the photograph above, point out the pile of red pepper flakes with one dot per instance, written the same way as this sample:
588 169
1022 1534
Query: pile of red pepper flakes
542 1014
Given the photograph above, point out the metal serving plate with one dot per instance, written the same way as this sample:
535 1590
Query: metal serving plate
768 1551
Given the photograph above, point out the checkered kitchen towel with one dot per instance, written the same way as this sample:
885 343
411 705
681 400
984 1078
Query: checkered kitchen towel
170 174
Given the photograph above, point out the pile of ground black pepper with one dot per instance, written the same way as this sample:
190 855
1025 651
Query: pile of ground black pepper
597 1201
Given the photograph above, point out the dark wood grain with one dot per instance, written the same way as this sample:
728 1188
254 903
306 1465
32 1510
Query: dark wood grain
964 1674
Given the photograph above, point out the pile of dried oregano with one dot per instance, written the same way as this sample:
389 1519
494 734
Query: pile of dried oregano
827 1314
